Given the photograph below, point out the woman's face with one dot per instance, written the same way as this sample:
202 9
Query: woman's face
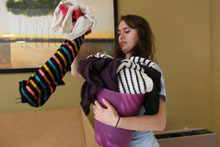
127 38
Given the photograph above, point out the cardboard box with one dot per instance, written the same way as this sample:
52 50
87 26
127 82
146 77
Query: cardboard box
50 128
71 128
197 137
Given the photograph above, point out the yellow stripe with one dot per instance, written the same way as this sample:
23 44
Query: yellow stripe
35 86
74 43
50 73
38 90
61 55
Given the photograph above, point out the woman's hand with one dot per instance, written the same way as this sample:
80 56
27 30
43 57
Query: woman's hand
107 115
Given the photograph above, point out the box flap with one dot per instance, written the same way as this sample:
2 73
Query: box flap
50 128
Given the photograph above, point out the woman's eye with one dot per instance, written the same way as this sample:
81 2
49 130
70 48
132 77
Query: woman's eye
127 32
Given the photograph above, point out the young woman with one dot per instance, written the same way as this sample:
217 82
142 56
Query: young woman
134 38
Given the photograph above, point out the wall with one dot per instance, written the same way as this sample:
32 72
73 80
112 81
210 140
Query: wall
182 32
215 46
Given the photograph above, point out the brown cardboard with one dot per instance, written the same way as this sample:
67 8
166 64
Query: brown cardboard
50 128
200 140
71 128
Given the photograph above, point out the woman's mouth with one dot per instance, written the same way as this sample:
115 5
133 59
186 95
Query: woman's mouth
122 43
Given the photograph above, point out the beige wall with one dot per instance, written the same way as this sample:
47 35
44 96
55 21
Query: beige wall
215 46
182 32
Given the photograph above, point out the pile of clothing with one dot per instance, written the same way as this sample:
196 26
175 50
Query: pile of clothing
135 75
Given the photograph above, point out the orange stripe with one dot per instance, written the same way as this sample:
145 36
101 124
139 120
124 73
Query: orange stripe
31 91
71 49
46 79
58 62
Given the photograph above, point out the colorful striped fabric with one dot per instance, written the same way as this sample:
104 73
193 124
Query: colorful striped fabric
38 88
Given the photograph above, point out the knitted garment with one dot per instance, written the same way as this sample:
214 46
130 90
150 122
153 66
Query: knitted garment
64 15
38 88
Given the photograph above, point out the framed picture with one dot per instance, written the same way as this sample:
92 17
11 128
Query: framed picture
26 38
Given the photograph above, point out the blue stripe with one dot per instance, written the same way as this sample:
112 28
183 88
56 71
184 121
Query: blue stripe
55 69
26 96
67 53
38 79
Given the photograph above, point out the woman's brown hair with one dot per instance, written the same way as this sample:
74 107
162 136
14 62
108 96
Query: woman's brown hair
145 48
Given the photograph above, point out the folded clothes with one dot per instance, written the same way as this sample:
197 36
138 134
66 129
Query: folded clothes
66 13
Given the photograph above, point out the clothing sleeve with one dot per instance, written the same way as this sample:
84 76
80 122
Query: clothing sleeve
38 88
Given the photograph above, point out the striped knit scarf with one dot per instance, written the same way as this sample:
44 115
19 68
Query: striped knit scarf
38 88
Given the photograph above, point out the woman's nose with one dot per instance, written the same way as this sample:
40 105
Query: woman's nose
121 36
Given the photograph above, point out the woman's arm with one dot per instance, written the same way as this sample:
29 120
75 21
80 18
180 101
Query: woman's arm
74 68
110 117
